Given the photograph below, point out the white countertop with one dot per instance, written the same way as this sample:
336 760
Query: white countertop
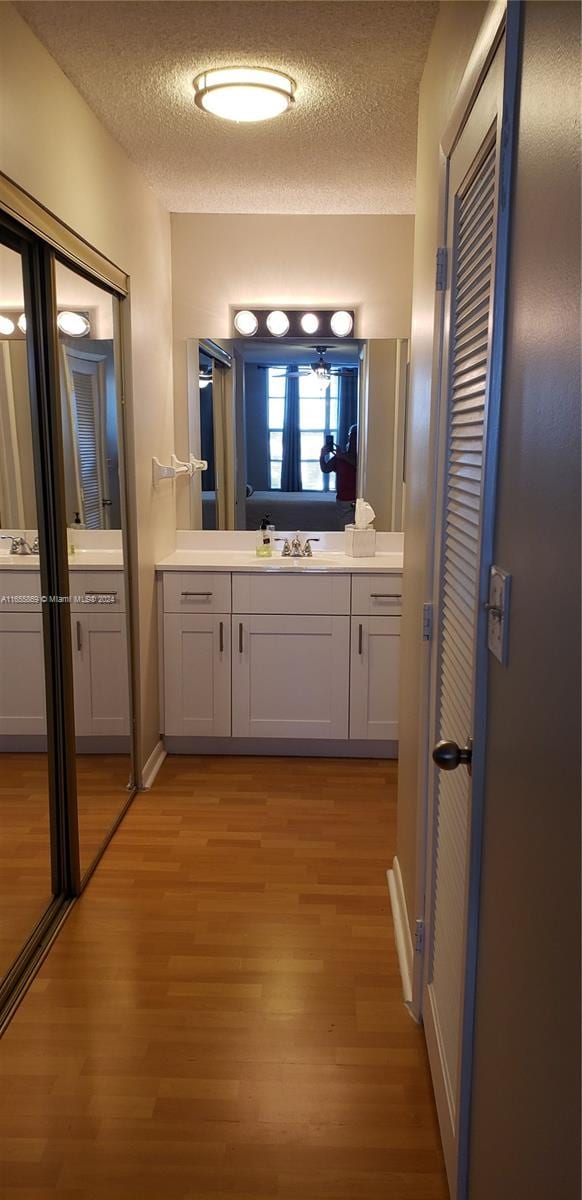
245 560
81 560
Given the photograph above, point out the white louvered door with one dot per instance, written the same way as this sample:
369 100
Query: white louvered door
467 346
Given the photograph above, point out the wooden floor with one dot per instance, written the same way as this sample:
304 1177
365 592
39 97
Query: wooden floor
221 1016
25 868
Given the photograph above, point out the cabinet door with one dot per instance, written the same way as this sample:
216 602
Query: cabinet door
290 676
374 685
100 674
197 675
22 694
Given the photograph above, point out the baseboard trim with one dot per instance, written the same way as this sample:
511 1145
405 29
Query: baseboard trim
286 747
152 766
401 929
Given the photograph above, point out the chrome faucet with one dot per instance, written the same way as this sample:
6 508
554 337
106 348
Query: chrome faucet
296 548
19 545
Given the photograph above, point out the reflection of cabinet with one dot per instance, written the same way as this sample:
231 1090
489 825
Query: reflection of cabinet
290 676
197 674
22 695
99 650
374 677
100 673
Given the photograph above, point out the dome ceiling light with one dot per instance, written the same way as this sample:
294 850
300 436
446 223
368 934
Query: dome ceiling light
244 94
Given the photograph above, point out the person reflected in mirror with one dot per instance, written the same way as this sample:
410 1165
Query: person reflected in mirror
345 465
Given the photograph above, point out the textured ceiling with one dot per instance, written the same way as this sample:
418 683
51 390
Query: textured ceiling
348 146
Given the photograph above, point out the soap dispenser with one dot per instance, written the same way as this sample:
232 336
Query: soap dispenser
264 540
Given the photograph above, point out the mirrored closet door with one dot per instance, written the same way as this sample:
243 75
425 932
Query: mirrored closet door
66 726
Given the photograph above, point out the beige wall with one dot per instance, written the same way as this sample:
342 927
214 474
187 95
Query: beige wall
53 146
526 1109
452 41
223 260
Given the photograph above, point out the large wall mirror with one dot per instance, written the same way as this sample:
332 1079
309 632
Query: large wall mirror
296 430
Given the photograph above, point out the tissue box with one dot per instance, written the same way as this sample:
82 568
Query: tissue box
360 543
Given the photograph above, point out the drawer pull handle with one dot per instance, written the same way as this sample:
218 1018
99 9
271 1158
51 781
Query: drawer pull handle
221 636
240 637
385 595
205 595
79 635
360 639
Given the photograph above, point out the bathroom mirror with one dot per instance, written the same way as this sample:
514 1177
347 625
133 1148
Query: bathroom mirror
295 430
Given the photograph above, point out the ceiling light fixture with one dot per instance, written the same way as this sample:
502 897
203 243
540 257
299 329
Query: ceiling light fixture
72 323
309 323
342 323
246 323
204 379
6 326
22 323
278 323
244 93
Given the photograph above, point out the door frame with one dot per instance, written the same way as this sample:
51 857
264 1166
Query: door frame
502 18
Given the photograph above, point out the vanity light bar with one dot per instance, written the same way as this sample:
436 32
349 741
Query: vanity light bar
329 323
73 322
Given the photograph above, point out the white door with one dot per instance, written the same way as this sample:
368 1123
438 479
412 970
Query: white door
197 675
100 674
467 359
374 682
290 676
22 694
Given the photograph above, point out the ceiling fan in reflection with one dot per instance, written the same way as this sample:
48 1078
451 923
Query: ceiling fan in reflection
321 369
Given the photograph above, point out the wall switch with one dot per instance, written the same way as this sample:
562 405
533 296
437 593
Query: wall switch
498 614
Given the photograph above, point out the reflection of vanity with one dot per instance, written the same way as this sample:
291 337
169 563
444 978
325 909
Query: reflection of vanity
279 656
99 650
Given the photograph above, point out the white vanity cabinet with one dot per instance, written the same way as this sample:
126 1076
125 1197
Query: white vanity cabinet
100 674
290 676
375 657
197 675
271 655
22 694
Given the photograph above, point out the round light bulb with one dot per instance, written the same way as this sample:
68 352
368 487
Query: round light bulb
21 322
309 323
6 326
72 323
204 380
244 93
342 323
246 323
277 323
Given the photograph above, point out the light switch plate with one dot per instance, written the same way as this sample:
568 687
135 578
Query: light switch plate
498 614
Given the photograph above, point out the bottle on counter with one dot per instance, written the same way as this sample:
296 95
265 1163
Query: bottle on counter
265 538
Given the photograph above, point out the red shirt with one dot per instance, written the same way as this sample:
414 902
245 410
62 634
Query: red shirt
346 475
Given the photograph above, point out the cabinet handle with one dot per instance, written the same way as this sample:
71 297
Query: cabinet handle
385 596
94 593
360 639
79 635
221 636
240 637
206 595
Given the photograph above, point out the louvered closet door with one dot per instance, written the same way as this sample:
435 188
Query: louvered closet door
86 400
472 206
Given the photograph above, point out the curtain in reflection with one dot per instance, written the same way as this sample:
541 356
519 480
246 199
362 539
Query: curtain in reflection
291 466
348 404
207 437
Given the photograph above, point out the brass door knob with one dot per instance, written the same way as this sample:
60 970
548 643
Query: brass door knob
448 755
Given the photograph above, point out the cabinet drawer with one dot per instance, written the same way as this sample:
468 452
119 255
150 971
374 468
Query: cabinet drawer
19 591
377 595
102 590
305 594
197 592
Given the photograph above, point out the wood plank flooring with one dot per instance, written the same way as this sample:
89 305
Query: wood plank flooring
25 870
221 1016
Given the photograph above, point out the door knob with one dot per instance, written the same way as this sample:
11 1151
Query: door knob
448 755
